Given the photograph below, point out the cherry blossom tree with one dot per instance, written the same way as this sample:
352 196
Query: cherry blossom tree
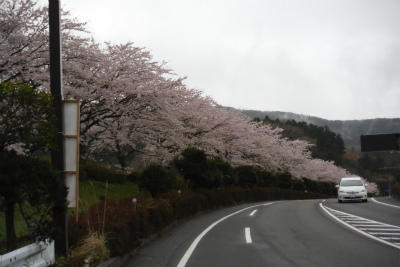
242 142
23 34
141 104
133 105
24 41
24 51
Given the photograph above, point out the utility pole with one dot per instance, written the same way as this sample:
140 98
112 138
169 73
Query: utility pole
56 88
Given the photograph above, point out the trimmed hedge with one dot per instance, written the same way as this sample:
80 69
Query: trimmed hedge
102 173
126 226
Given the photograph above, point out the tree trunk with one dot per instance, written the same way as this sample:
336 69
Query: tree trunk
10 229
122 161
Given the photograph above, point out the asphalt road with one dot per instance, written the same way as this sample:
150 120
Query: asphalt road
285 233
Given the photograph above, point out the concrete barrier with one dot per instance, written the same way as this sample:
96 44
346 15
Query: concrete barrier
34 255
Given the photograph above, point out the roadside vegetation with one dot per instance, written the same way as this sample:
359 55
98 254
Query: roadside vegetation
381 168
192 155
91 192
192 184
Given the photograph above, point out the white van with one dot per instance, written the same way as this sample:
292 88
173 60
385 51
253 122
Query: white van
351 188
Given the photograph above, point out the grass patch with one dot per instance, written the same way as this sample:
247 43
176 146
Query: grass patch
90 193
92 248
20 225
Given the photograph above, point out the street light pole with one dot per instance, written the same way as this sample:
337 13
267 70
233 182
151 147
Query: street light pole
56 88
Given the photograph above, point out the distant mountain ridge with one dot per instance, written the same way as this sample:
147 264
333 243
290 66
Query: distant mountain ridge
350 130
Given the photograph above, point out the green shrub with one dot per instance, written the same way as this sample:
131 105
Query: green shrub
203 172
214 175
247 176
284 180
311 186
99 172
224 170
157 179
186 204
328 188
134 176
180 184
298 185
193 166
266 179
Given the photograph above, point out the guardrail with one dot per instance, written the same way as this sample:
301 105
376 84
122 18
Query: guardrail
34 255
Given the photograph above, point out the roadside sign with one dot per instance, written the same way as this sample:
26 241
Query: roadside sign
380 142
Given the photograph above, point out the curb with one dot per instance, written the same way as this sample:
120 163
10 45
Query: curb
120 260
115 262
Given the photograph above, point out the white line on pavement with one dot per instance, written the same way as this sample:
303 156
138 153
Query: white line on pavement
393 206
358 230
247 234
192 247
251 214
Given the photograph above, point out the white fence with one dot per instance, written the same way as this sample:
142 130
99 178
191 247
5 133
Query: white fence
35 255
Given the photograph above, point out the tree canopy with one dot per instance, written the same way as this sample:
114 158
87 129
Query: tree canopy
27 120
37 190
128 99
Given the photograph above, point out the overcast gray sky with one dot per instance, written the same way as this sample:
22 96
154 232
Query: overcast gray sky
334 59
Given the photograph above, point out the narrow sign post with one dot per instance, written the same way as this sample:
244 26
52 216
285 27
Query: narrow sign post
57 157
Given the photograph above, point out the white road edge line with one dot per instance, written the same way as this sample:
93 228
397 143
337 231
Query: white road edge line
251 214
394 206
355 229
192 247
248 236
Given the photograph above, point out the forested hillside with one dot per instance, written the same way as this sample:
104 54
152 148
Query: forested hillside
327 145
328 137
349 130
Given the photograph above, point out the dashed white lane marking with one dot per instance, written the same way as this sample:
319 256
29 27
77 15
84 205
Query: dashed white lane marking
382 232
248 235
251 214
393 206
192 247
